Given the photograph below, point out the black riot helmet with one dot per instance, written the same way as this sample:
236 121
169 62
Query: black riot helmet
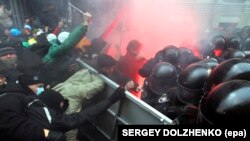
232 53
247 53
228 70
205 48
171 54
246 44
245 32
186 57
219 42
211 62
234 42
185 51
163 77
191 81
159 56
227 103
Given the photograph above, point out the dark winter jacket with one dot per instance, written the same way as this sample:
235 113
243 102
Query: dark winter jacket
14 123
65 122
12 85
25 117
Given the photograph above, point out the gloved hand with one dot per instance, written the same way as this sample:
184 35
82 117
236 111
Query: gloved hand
56 136
87 17
118 94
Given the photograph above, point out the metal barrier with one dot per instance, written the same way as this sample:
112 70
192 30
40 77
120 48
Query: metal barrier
129 111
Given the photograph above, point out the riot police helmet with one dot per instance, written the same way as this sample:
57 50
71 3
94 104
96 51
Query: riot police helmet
232 53
159 56
172 54
246 44
227 103
218 42
211 62
191 81
231 69
234 42
163 77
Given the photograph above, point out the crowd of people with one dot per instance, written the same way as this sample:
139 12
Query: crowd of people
42 89
45 88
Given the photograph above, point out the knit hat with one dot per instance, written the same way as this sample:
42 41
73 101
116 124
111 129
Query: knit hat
26 26
30 79
53 99
6 50
15 32
50 37
63 36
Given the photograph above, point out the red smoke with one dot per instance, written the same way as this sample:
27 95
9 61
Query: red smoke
156 24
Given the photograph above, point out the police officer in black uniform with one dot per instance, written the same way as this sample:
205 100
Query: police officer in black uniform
186 58
226 104
189 92
178 101
169 54
156 86
218 47
149 65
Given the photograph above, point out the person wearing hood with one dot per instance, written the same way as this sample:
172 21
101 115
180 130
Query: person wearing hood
43 115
